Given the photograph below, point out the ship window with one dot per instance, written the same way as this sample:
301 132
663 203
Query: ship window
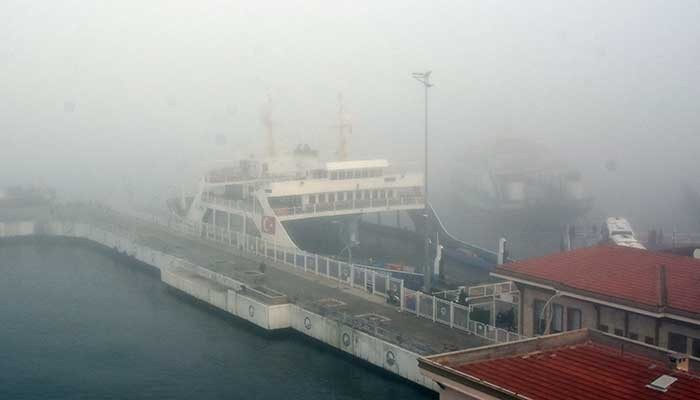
364 173
348 196
358 174
312 199
334 175
390 193
382 194
341 174
331 197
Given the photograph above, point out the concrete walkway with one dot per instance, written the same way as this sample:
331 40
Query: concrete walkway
318 294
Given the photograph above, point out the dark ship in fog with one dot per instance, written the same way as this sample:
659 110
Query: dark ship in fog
516 189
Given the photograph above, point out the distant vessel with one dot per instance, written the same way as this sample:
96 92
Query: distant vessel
618 231
296 200
25 196
516 183
329 207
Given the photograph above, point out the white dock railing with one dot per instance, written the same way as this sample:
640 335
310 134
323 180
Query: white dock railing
430 307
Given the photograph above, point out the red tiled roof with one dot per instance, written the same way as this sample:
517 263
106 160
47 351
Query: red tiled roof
586 371
618 272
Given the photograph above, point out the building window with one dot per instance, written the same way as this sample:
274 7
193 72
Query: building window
557 318
649 340
696 348
677 342
603 328
619 332
633 336
573 319
537 318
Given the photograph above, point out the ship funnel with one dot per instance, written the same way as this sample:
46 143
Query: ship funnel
266 119
344 128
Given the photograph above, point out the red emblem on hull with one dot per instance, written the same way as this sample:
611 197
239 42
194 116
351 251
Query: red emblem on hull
268 225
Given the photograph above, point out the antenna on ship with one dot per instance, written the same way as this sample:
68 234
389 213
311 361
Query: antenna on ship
266 117
344 127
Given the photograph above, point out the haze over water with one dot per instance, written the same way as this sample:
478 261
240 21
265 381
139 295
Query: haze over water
78 324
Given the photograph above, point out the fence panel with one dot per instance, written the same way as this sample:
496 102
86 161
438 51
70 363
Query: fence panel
323 266
311 263
289 258
333 269
395 285
359 278
461 317
442 311
426 306
299 260
345 273
381 283
409 300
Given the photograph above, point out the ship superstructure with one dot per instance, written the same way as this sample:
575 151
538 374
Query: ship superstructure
298 200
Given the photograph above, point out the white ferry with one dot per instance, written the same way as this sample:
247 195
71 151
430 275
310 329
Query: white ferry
297 200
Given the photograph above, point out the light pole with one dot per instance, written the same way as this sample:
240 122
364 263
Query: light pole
424 78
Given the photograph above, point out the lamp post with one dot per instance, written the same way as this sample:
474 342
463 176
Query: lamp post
424 78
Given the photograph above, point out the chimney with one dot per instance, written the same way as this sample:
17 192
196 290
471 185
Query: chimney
679 362
663 294
502 251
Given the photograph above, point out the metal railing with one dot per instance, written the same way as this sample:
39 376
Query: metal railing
441 311
354 204
243 205
454 315
350 275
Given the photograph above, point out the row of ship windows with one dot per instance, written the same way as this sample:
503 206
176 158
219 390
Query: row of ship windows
357 173
350 195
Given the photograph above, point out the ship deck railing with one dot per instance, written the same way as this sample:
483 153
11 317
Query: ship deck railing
344 205
243 205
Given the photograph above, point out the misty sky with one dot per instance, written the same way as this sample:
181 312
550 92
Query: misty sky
94 94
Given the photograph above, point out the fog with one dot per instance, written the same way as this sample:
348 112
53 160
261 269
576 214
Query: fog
99 96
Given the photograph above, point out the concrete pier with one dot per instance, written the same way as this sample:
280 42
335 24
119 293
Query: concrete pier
332 312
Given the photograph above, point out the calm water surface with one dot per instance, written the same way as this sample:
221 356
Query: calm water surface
77 324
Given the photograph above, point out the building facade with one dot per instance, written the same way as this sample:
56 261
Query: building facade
641 295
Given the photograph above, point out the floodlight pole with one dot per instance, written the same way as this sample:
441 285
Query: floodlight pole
424 78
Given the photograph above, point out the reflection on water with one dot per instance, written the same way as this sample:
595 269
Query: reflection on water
79 324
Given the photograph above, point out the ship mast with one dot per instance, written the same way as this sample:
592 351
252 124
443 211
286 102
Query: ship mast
344 128
266 117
